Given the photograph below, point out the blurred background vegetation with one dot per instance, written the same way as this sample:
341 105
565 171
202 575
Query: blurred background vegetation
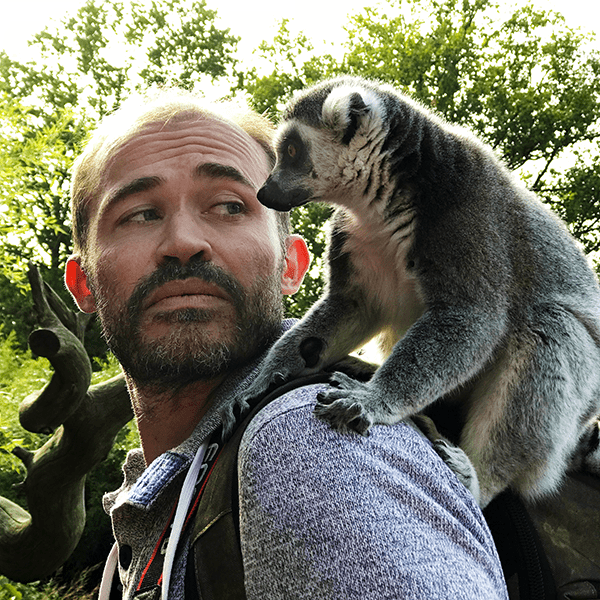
526 82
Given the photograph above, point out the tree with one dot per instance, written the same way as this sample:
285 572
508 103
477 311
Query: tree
284 57
107 49
527 84
37 155
84 421
576 198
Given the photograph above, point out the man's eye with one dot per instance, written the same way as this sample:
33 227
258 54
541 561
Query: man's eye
143 216
230 208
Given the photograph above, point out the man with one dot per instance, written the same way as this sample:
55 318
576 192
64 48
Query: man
186 270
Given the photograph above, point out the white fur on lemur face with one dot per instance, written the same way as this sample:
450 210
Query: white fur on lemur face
319 162
482 297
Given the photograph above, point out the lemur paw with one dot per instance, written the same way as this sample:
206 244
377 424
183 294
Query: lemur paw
289 358
230 413
454 456
271 375
344 406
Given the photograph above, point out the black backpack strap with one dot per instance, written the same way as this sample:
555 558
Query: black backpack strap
524 562
215 569
550 549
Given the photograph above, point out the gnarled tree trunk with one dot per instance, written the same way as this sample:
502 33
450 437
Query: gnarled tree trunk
85 420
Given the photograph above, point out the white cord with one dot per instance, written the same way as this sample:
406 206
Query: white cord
185 499
108 573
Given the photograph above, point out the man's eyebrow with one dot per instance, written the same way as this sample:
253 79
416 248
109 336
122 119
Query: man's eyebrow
219 171
142 184
136 186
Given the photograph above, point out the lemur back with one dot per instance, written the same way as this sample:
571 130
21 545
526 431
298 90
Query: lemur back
482 297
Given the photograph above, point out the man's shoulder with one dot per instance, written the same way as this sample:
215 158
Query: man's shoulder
290 418
381 509
286 434
286 409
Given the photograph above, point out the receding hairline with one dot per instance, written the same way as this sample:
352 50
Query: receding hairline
155 109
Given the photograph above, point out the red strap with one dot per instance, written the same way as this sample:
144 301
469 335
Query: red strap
152 574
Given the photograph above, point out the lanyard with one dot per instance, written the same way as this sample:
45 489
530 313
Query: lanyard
158 569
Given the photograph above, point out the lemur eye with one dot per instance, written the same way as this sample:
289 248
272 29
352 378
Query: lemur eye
291 150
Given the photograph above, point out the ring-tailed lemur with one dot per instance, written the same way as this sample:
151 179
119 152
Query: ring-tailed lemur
481 296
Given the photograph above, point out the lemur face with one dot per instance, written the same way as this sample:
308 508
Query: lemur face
327 144
287 186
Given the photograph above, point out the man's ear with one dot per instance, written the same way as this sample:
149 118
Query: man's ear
76 281
297 261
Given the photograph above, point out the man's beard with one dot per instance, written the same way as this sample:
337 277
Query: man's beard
189 353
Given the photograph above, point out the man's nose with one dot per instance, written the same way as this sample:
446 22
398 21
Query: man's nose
185 236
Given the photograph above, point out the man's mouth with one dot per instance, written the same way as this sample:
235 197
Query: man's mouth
186 293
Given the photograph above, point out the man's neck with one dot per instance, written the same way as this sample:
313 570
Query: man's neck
165 420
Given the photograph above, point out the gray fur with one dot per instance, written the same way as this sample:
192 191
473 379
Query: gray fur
480 294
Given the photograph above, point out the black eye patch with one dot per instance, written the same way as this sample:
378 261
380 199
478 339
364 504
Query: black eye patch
293 153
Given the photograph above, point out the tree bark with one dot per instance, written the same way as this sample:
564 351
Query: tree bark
85 420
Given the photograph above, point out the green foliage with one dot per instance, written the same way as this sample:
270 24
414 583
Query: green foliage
293 67
17 309
10 590
91 60
186 43
20 375
526 83
36 157
576 199
18 591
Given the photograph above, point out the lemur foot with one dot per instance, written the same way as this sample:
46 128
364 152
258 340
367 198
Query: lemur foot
345 406
286 360
235 408
458 461
267 379
230 413
454 456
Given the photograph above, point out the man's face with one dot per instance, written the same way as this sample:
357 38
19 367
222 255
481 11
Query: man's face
183 261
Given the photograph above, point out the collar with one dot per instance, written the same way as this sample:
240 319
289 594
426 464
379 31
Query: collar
142 486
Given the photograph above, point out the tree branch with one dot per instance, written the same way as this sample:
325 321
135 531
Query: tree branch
34 543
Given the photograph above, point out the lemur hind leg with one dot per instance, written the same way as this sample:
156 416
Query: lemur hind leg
587 458
454 456
530 411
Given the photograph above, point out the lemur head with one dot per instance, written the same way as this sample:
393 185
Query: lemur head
325 143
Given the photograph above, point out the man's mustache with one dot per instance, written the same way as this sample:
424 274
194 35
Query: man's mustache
173 270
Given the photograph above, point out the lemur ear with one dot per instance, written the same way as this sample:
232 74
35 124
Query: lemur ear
346 108
356 109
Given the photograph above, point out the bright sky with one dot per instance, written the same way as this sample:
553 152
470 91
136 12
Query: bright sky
253 20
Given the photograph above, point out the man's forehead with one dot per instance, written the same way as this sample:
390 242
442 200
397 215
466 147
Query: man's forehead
200 140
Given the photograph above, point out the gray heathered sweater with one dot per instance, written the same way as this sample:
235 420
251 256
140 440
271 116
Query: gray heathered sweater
323 516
